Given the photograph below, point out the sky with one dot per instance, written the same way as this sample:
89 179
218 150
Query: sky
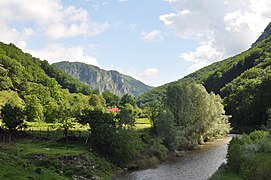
155 41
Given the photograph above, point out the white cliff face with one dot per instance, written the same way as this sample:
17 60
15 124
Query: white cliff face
102 80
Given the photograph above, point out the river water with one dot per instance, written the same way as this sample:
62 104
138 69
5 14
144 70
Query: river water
194 165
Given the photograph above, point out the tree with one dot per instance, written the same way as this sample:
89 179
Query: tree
102 130
153 108
218 124
33 109
119 145
112 100
97 101
166 129
197 115
127 98
13 117
126 117
66 115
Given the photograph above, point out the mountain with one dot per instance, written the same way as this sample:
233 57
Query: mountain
103 80
243 81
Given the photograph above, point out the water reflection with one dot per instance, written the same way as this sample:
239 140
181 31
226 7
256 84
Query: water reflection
195 165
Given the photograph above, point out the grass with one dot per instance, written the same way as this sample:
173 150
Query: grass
142 123
43 129
42 154
33 158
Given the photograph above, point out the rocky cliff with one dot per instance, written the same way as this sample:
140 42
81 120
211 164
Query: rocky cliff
102 80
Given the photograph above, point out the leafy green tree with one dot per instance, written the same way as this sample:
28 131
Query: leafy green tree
126 117
50 110
153 108
112 100
102 130
68 112
65 118
166 129
13 117
197 115
33 109
97 101
119 145
127 98
218 124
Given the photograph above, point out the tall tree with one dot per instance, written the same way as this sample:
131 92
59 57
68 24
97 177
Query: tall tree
126 117
13 117
112 100
97 101
33 109
127 98
153 108
197 115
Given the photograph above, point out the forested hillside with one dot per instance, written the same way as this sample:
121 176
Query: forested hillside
18 68
43 91
103 80
243 81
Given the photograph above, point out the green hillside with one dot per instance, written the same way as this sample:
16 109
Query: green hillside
18 68
43 90
243 81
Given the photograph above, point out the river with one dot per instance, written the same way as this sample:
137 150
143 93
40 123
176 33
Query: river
194 165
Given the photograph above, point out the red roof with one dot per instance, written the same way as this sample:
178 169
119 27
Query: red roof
113 110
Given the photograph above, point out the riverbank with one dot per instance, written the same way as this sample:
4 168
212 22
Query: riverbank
249 157
50 158
196 164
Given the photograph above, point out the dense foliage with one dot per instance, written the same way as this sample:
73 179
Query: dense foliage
191 116
40 89
249 157
243 81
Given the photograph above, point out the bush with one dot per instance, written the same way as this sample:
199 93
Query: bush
250 155
235 154
125 146
256 136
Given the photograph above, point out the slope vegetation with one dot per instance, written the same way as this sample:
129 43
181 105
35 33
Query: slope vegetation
243 81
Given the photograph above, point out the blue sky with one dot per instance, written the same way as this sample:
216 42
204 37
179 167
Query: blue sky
155 41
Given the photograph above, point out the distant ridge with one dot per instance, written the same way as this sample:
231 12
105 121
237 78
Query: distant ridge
102 80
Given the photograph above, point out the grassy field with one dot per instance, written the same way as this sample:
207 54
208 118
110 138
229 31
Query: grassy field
142 123
51 130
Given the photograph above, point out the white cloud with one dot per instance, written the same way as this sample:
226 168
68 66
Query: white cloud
56 52
185 12
50 18
122 1
150 72
154 35
221 28
148 76
203 56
